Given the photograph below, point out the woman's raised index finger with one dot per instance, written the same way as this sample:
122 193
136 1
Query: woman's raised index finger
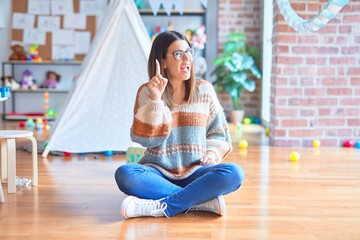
157 67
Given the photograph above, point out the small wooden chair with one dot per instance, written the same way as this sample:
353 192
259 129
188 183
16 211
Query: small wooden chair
8 156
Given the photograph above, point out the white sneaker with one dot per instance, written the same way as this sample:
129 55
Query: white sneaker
216 205
136 207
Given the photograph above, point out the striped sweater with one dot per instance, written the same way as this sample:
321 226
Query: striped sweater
177 138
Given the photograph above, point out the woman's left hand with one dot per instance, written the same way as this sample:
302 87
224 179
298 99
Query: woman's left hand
208 159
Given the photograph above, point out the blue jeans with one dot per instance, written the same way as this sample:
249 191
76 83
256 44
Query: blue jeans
204 184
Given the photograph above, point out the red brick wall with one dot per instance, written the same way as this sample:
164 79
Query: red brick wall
315 90
245 16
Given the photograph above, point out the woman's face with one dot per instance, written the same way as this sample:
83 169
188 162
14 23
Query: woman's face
178 69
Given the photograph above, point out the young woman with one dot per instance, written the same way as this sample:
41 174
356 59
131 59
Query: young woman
181 123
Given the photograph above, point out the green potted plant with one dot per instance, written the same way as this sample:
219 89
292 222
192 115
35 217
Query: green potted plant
236 70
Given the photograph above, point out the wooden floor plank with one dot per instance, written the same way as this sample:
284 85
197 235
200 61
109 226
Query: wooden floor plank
77 198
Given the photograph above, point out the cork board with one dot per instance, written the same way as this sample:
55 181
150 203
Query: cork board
20 6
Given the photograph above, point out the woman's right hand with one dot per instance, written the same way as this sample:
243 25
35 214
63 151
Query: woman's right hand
157 84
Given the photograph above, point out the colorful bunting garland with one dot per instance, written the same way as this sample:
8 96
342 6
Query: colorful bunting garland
169 4
331 9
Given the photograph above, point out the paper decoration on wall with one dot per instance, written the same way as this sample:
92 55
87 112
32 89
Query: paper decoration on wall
331 9
168 6
23 21
204 3
39 7
48 23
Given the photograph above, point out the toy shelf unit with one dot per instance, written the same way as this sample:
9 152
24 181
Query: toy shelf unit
193 17
28 102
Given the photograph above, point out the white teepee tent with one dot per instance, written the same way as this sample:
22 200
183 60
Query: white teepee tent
98 112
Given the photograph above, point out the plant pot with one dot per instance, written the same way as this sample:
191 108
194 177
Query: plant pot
236 116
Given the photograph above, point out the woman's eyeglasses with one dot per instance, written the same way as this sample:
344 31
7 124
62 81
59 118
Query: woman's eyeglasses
179 54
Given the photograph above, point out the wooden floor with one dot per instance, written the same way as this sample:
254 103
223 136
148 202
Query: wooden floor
77 198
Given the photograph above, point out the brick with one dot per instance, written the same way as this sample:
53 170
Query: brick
345 29
350 101
354 71
294 123
327 50
298 6
350 50
307 112
285 39
331 81
304 133
304 49
285 143
279 133
329 39
357 39
355 81
316 60
286 112
328 29
281 49
342 40
329 142
301 101
326 101
324 111
279 81
351 18
332 122
283 28
308 81
343 60
352 111
344 132
307 71
339 91
309 39
312 7
353 122
287 92
289 70
326 71
315 91
289 60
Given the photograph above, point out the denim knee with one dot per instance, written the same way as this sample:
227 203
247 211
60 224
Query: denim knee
123 177
234 173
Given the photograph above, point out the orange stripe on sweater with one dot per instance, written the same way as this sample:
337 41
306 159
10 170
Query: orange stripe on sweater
146 130
182 119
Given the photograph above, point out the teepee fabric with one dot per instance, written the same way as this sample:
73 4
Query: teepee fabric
98 112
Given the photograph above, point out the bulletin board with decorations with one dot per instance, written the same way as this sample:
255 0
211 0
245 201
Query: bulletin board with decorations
55 30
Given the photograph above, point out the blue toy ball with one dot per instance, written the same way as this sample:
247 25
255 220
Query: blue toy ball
108 153
257 120
357 145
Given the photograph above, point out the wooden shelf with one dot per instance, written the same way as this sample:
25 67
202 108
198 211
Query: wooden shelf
43 63
39 90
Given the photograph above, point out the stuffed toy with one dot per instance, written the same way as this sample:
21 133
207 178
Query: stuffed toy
34 53
199 38
18 53
10 82
52 79
27 80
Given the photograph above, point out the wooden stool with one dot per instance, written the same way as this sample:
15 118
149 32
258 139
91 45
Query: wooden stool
8 157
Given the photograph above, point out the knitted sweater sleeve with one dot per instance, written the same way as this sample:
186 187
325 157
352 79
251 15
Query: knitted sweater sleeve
217 136
152 120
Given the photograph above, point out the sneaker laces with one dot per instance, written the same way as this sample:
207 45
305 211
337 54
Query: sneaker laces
153 208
